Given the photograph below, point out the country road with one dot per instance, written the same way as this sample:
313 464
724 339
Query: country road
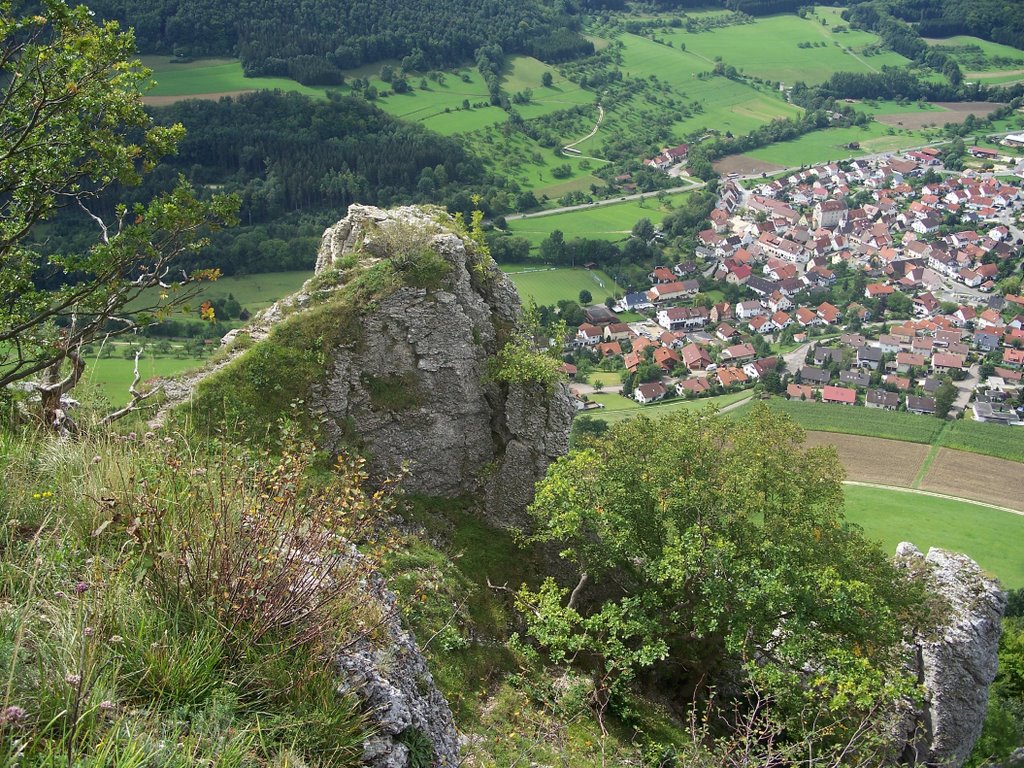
615 201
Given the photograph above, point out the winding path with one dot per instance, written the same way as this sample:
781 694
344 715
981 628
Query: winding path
600 119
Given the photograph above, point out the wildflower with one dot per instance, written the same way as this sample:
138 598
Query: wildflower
12 715
47 494
116 639
72 679
106 705
60 593
97 459
88 631
37 495
81 587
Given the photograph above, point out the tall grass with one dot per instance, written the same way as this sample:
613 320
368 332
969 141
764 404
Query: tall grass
166 603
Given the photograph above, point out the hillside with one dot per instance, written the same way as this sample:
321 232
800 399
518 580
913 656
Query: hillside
313 43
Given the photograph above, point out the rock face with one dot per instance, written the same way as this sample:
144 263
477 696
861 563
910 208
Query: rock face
414 386
413 723
956 661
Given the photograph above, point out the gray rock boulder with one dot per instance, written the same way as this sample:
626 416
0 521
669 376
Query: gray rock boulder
956 660
387 673
413 383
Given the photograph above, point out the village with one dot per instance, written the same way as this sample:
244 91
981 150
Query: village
869 282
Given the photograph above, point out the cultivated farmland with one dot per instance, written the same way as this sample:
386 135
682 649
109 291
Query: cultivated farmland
989 536
872 459
974 476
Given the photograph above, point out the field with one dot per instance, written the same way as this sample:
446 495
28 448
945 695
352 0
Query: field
856 420
253 292
982 60
211 78
110 377
832 144
859 456
605 222
975 476
824 52
989 536
616 407
549 286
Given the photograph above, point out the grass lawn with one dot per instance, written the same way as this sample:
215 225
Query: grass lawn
989 536
617 407
551 285
604 222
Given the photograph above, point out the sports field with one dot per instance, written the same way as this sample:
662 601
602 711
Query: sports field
989 536
549 286
603 222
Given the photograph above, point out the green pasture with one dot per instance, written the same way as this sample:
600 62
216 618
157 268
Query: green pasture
616 407
881 107
599 222
746 47
551 285
205 76
110 377
989 536
253 292
988 49
831 144
856 420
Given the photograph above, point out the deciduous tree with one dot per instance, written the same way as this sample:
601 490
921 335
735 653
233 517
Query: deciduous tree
72 124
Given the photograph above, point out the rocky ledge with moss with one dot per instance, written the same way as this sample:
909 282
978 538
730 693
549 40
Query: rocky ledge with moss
407 344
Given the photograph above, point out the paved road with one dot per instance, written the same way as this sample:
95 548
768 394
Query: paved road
614 201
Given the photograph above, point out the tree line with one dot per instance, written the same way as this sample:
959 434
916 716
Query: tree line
314 42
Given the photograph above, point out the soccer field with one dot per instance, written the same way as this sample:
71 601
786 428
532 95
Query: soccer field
549 286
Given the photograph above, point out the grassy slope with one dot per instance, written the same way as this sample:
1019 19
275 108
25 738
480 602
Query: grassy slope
989 536
213 76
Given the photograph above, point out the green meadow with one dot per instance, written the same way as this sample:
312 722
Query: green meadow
253 292
990 536
617 408
604 222
207 76
832 144
747 47
549 285
110 377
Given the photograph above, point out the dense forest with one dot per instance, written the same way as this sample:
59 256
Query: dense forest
296 164
996 20
313 42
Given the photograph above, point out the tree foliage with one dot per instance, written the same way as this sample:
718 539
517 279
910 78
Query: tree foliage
71 125
707 546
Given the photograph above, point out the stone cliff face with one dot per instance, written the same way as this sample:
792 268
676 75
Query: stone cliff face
955 661
413 382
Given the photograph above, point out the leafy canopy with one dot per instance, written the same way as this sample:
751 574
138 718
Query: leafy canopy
72 124
710 545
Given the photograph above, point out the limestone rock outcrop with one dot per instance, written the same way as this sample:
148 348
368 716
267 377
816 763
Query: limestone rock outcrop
412 383
412 722
956 660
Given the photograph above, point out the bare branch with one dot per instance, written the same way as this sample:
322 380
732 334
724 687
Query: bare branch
137 396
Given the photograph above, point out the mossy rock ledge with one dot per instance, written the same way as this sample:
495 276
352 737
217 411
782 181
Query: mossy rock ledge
389 346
